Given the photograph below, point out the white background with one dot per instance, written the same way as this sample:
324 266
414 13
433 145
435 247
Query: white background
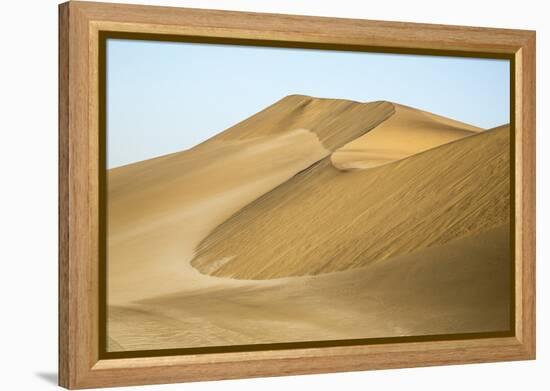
28 194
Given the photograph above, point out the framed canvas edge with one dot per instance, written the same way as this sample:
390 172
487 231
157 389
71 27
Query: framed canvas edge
79 25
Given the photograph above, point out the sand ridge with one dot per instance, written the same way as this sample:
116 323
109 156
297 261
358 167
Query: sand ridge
334 121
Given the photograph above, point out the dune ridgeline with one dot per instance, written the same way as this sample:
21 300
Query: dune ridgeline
313 219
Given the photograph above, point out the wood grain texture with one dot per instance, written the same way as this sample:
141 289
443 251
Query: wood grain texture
80 24
527 187
64 354
78 281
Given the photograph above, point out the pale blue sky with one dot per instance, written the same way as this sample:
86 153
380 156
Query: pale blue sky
165 97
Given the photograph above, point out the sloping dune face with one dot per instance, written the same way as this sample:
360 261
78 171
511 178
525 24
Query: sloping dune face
325 220
159 209
408 132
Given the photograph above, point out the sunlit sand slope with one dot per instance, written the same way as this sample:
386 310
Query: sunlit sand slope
407 132
159 209
325 220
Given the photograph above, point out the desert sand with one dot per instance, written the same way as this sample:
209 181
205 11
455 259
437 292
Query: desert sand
304 223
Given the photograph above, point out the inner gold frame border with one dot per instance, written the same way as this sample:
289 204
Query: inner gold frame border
84 28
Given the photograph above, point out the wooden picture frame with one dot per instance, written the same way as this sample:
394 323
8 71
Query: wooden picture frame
81 364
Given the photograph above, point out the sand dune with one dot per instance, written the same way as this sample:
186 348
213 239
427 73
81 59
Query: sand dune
390 247
152 203
407 132
323 220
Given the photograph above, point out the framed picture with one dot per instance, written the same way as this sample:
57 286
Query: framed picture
248 195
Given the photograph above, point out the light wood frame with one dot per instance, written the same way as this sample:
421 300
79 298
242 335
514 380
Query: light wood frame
80 24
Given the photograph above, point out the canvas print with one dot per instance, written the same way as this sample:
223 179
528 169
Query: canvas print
263 195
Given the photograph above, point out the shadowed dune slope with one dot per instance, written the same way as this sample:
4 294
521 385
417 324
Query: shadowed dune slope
324 220
407 132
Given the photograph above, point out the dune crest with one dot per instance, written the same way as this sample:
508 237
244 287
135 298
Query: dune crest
407 132
334 121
